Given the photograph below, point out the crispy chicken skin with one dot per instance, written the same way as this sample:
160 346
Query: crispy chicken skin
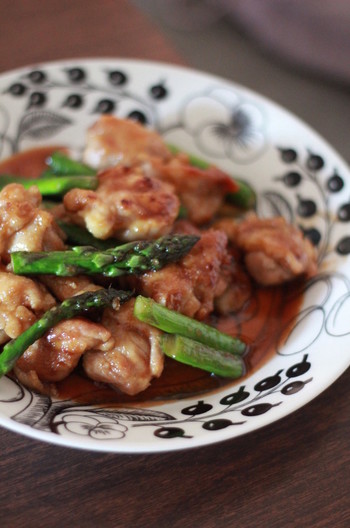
23 225
128 205
135 358
274 251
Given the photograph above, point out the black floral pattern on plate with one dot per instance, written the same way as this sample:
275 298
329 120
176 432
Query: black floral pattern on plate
41 412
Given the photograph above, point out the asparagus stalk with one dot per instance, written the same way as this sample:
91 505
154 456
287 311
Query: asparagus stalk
130 258
244 197
80 304
62 165
148 311
77 235
201 356
50 186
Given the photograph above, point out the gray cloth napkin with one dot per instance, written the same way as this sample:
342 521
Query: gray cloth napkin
314 34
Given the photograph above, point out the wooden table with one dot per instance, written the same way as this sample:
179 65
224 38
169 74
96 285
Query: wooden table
292 473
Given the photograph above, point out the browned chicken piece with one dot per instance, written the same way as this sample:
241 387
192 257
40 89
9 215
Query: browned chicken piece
53 357
184 227
229 226
21 302
135 358
128 205
65 287
238 290
191 285
274 251
202 192
23 225
238 283
111 141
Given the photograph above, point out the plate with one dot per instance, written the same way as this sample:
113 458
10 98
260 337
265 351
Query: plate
295 174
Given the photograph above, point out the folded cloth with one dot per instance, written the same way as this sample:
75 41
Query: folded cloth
314 34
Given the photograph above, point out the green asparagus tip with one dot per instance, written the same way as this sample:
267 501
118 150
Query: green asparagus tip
130 258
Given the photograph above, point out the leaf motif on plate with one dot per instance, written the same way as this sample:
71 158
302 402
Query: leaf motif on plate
37 414
39 125
135 415
102 423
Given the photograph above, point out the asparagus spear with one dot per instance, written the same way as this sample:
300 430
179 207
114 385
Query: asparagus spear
244 197
148 311
56 185
202 356
69 308
130 258
77 235
62 165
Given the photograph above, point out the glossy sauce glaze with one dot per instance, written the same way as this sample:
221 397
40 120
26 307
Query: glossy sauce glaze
29 163
263 324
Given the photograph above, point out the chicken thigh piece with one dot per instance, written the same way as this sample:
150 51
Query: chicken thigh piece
135 358
191 285
274 251
112 141
54 356
65 287
23 225
128 205
22 301
201 191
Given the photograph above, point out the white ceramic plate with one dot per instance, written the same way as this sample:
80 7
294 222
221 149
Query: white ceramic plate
295 173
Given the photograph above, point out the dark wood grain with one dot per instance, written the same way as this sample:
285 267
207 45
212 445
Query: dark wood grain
39 30
290 474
